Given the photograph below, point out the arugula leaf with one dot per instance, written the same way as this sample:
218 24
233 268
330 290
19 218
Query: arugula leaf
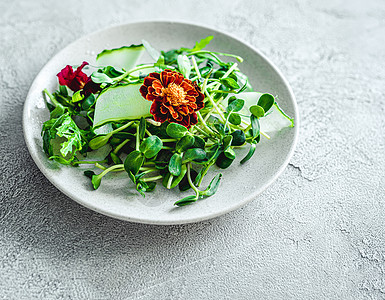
199 45
65 127
69 130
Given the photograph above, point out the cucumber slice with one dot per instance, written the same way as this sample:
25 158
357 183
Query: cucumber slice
121 103
125 57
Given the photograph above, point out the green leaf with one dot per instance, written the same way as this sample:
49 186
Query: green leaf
76 97
124 57
245 86
253 146
61 159
115 158
213 186
186 201
141 188
235 119
151 146
235 105
175 130
57 111
50 106
239 138
223 161
121 103
155 54
266 101
63 90
88 102
96 180
131 176
199 142
133 162
230 83
112 72
47 146
255 127
176 179
160 62
69 130
98 77
227 141
244 81
184 65
220 128
180 177
162 159
170 57
175 164
142 128
99 141
251 98
257 111
213 153
184 185
184 143
230 153
231 99
219 74
150 186
194 154
227 150
199 45
89 173
202 43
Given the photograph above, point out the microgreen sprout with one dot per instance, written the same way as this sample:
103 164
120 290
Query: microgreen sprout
202 109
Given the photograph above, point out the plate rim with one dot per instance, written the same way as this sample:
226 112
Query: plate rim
142 220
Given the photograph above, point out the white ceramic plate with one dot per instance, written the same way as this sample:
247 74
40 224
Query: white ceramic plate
116 197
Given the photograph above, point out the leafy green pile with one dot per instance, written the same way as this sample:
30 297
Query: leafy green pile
114 125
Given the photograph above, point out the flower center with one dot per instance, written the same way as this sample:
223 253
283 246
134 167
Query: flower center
175 94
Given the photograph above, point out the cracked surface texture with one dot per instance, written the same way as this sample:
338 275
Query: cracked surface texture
317 233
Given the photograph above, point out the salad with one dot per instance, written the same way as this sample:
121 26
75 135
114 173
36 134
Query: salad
168 121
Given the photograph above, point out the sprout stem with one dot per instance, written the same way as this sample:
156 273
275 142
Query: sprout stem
124 75
152 178
100 166
148 132
190 181
137 139
240 59
219 111
196 67
121 128
91 162
120 146
114 167
169 182
51 97
168 140
148 169
208 130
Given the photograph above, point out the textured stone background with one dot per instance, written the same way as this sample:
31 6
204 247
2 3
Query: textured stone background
317 233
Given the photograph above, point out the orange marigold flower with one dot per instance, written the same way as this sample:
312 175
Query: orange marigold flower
174 98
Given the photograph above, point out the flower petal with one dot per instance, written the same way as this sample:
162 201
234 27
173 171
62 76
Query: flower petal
74 80
174 97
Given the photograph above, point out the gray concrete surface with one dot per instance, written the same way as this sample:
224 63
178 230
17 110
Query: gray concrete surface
317 233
